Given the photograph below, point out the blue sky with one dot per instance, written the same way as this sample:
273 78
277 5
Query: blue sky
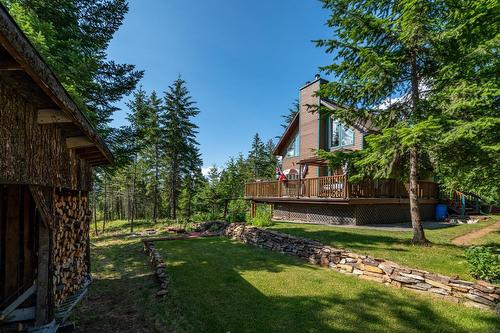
243 61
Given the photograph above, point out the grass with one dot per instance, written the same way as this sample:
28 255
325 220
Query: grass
441 257
218 285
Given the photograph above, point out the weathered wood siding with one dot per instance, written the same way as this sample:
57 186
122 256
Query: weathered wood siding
35 154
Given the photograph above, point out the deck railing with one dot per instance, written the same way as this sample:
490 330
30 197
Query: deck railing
337 187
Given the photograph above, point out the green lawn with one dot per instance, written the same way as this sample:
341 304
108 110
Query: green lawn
218 285
441 257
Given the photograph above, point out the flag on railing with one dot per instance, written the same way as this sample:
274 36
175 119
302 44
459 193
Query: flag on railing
280 176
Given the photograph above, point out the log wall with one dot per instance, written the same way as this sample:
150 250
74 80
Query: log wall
35 154
70 243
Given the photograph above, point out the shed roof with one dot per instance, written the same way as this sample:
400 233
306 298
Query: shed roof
21 63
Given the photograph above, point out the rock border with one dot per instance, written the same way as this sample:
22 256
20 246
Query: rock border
478 294
160 268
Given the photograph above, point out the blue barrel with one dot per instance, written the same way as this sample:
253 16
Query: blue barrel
441 212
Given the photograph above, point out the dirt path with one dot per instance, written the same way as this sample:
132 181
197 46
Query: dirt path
468 238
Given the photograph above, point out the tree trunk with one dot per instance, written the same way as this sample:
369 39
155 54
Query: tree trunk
418 230
132 215
173 192
105 208
95 213
226 201
157 180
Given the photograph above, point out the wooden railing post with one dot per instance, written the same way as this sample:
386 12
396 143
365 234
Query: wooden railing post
346 187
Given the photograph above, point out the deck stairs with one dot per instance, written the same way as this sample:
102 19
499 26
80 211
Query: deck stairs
463 204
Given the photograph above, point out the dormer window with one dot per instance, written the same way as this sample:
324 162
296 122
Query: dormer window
340 135
293 147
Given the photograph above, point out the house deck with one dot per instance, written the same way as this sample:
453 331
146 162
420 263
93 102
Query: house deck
335 200
338 189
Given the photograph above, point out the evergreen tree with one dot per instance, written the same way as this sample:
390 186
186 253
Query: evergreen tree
257 157
465 90
155 138
271 160
138 110
73 37
292 112
180 138
192 182
383 53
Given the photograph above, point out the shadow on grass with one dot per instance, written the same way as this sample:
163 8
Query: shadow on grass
216 287
367 240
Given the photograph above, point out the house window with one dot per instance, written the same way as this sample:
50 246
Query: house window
293 147
340 135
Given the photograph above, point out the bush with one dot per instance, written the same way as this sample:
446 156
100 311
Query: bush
205 216
263 218
484 263
237 210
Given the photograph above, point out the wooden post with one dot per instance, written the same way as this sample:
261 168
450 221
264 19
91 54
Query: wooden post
42 281
299 188
253 209
346 187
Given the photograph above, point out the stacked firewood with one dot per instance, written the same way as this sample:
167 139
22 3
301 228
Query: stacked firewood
70 237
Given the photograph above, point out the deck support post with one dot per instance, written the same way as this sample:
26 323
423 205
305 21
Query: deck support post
253 209
299 188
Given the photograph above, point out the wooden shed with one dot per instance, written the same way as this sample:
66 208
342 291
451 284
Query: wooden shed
47 151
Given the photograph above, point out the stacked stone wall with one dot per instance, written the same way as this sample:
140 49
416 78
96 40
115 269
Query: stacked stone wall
479 294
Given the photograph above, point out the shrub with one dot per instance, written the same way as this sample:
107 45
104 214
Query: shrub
237 210
484 262
263 218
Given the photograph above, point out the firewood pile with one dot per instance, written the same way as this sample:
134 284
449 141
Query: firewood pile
70 237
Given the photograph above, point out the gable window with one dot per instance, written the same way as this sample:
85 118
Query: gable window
340 135
293 147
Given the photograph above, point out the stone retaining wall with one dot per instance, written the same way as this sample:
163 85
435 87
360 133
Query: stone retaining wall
159 266
479 294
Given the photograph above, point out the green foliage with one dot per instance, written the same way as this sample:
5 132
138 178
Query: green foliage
263 217
484 262
73 37
292 112
237 211
179 143
261 160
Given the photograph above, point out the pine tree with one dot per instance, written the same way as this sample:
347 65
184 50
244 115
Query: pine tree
192 182
465 90
383 54
257 157
138 109
180 138
155 138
